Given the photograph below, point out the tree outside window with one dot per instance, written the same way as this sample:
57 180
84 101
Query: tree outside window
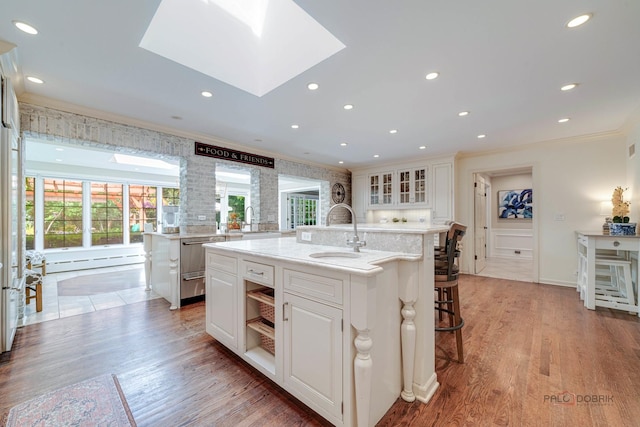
106 214
62 213
30 211
142 210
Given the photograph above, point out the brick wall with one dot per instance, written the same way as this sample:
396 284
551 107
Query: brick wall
197 173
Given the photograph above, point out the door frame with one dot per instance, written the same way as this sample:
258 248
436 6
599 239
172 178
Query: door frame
524 168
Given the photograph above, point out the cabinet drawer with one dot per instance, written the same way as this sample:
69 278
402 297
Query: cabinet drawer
319 287
258 273
617 243
223 263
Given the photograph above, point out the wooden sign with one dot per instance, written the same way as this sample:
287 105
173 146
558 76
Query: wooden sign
233 155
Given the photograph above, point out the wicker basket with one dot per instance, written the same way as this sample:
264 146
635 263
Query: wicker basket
267 334
264 296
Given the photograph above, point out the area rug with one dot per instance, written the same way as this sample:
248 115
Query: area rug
93 284
98 401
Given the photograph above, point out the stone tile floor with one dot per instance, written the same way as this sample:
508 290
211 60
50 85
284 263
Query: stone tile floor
56 307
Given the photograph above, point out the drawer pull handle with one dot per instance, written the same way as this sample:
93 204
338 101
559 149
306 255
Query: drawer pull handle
257 273
284 311
616 243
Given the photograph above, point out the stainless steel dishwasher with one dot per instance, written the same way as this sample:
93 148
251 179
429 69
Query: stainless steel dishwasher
192 268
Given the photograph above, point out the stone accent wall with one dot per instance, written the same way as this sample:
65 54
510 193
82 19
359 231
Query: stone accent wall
197 173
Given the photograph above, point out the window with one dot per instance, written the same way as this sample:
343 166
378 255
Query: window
62 213
30 211
142 210
106 214
170 197
302 210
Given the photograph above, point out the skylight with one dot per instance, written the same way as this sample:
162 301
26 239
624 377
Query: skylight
254 45
125 159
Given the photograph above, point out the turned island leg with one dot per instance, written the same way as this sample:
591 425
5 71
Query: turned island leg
363 303
174 262
146 245
408 293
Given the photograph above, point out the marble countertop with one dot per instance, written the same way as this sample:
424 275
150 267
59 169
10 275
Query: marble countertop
187 235
365 263
388 227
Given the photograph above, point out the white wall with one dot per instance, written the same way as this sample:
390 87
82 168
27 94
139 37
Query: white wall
570 180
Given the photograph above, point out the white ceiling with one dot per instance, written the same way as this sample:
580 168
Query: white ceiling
502 60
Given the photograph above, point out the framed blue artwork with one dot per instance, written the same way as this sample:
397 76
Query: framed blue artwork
515 204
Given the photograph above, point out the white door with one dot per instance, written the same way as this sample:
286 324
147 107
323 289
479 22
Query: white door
313 353
480 223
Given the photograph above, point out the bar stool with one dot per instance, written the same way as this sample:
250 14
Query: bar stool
446 286
33 284
36 259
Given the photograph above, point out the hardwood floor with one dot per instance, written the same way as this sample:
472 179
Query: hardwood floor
528 348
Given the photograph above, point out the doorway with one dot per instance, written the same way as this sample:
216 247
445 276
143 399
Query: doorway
299 201
505 242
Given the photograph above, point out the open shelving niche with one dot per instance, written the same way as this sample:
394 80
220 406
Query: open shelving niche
260 320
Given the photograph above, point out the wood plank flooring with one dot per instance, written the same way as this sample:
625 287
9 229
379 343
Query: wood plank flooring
534 357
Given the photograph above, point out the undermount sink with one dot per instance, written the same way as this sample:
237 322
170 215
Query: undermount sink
334 254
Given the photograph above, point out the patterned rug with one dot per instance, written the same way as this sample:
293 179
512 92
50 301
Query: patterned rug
95 402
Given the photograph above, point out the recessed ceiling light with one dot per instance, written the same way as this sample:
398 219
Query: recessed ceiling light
481 136
376 155
569 86
206 94
579 20
344 144
564 120
393 131
294 126
25 27
432 76
341 162
422 147
36 80
348 107
58 160
59 149
463 113
312 86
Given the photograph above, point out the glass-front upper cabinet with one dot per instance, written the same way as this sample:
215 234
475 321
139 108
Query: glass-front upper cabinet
412 186
381 189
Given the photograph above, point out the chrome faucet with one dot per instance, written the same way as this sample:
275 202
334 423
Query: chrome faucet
355 241
250 223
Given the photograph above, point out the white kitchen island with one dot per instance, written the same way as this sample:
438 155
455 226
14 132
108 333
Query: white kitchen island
346 333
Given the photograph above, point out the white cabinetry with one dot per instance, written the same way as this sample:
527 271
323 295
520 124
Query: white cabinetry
412 187
381 189
426 184
442 207
313 353
221 299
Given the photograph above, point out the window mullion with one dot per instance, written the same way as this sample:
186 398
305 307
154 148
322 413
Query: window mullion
86 214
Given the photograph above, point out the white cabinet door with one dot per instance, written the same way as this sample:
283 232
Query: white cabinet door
381 190
313 354
412 187
222 307
442 192
359 197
